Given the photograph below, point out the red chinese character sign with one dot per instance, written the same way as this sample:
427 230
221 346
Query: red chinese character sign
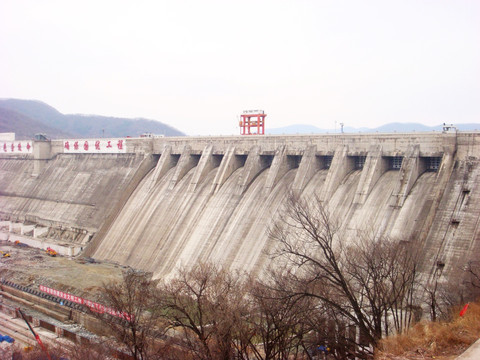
16 147
95 146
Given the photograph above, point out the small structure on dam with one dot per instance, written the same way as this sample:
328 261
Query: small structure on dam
252 122
160 203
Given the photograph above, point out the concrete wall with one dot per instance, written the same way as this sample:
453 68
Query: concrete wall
170 202
71 195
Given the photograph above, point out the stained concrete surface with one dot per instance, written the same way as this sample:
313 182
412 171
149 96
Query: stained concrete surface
213 199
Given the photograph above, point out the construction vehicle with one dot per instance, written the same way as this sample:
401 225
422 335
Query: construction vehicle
18 243
4 254
51 252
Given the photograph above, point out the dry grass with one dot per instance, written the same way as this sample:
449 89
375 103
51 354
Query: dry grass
434 340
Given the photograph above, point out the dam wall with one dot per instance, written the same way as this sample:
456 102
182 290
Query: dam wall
161 203
64 198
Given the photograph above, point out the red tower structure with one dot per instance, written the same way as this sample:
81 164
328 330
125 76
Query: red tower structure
251 120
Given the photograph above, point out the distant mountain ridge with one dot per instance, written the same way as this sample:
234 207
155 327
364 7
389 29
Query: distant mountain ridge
24 127
27 117
387 128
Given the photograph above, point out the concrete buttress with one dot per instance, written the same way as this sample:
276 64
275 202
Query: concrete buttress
278 169
253 166
205 165
165 163
229 164
340 167
373 169
186 162
411 169
309 165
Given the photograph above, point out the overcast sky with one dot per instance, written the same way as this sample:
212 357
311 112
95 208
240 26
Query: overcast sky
196 65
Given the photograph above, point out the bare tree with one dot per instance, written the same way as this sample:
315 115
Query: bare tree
138 324
383 275
205 303
361 283
279 325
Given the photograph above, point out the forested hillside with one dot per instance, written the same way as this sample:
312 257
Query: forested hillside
24 127
28 117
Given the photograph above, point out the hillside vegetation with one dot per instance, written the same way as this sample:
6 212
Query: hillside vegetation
28 117
24 127
434 340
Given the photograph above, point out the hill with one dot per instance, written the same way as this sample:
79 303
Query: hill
46 119
24 127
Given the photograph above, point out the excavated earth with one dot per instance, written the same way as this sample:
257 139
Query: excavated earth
32 267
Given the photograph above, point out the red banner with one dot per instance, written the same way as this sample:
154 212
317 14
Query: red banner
99 308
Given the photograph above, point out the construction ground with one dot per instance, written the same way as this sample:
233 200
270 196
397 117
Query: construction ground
32 267
23 271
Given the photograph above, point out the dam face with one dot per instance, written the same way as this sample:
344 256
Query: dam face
160 203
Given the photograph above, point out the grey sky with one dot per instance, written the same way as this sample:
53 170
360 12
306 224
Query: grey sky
197 65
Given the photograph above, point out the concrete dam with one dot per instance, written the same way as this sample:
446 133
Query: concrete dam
160 203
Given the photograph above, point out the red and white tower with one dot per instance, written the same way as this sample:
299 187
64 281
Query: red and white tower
253 122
